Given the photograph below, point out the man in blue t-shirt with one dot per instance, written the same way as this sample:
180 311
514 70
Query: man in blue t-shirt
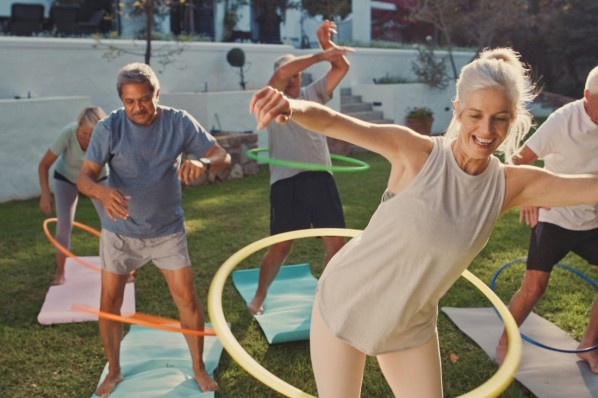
143 143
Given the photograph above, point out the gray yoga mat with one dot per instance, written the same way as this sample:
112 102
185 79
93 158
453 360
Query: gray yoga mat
544 372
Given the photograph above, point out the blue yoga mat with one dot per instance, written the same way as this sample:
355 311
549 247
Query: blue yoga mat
287 309
157 363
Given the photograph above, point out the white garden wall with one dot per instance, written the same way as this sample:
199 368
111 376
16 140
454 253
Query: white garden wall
395 100
28 128
61 76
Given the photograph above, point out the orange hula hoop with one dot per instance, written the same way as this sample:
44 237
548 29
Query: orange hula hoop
145 320
66 251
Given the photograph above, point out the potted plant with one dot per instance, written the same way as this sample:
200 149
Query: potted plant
420 119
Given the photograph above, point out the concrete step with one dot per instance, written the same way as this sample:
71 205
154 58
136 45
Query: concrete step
368 115
356 107
382 121
353 105
350 99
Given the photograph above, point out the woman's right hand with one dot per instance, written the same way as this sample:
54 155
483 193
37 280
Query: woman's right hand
45 203
270 104
529 214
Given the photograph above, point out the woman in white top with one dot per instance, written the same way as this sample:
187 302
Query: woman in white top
69 150
379 295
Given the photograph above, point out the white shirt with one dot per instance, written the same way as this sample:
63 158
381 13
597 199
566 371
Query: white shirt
292 142
568 143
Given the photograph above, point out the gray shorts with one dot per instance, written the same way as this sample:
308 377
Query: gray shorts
122 254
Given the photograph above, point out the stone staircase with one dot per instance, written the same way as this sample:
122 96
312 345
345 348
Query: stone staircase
354 106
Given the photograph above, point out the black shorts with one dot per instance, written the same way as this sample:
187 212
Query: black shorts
308 199
549 243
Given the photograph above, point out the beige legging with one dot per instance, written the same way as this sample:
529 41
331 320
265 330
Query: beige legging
338 367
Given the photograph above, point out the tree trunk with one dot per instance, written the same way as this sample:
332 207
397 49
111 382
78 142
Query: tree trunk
149 27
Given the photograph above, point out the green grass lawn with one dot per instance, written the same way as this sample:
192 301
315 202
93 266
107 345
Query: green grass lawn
66 360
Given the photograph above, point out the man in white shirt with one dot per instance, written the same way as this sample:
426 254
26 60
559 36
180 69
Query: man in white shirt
568 143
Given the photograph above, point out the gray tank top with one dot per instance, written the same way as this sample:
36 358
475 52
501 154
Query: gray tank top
380 292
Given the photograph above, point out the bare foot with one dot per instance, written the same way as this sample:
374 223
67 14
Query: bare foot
255 307
591 358
58 280
205 381
109 384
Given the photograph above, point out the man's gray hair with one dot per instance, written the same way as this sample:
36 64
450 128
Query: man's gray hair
137 73
283 60
592 81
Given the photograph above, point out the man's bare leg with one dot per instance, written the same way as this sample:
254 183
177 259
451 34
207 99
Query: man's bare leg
521 305
332 244
269 267
590 338
111 332
180 283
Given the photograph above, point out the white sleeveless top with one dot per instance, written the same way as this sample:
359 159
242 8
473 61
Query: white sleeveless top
380 292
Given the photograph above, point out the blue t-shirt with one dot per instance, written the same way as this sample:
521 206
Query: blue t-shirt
144 162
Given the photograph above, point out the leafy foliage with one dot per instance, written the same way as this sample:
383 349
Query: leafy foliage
391 80
429 68
555 37
327 8
559 41
422 112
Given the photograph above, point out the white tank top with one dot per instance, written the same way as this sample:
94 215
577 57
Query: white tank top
380 292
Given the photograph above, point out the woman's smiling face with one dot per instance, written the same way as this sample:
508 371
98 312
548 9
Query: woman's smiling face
485 118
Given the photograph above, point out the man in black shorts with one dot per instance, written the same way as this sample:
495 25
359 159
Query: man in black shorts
298 198
568 143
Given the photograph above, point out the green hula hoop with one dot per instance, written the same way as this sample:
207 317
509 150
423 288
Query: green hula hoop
356 165
493 387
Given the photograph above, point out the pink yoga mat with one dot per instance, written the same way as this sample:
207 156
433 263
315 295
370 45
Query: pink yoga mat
82 286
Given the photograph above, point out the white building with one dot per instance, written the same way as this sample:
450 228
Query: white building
292 26
46 81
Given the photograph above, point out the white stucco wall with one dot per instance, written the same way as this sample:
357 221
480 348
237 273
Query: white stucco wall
47 67
27 128
396 99
213 110
64 75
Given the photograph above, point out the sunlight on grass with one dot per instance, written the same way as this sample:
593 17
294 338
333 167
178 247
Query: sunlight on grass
66 360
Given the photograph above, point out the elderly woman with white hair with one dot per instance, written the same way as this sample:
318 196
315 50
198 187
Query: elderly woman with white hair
68 152
379 294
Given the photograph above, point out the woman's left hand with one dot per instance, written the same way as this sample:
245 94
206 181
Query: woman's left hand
270 104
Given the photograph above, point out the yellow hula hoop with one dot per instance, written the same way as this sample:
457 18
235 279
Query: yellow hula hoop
491 388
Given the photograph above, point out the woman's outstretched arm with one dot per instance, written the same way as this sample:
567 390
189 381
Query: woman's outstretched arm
271 105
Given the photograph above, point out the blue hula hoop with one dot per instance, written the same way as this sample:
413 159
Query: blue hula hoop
560 265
